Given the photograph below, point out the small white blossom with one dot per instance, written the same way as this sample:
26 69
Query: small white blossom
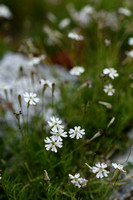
109 90
77 70
129 53
55 122
99 170
107 42
31 98
52 144
0 175
36 60
130 41
118 166
83 182
58 133
75 36
111 72
75 179
45 82
77 132
124 11
64 23
5 12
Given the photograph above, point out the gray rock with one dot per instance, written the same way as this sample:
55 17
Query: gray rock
20 81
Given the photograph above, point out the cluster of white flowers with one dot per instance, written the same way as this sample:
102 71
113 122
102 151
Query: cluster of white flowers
78 181
75 36
77 70
112 73
31 98
100 169
57 132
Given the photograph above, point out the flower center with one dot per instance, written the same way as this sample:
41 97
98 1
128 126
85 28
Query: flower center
53 143
100 169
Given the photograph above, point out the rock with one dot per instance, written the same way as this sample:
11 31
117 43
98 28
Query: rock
15 78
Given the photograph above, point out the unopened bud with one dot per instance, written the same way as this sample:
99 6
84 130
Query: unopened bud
46 177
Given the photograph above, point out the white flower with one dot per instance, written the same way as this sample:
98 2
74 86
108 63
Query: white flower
107 42
0 174
109 89
111 72
118 166
52 143
77 70
75 36
76 132
31 98
99 170
55 122
58 133
83 182
46 82
36 60
129 53
124 11
64 23
5 12
130 41
75 179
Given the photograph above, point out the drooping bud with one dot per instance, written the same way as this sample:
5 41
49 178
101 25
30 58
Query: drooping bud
46 177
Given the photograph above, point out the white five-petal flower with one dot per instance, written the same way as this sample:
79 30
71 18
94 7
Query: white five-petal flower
52 143
77 132
83 182
75 179
58 133
55 122
46 82
99 170
118 166
111 72
31 98
109 89
77 70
